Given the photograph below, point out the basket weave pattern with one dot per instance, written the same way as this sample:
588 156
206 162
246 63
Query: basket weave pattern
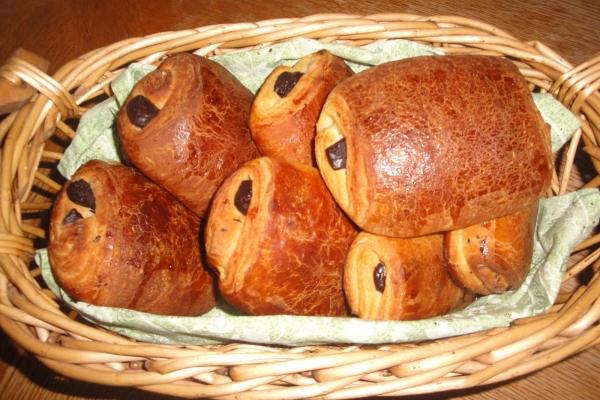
32 317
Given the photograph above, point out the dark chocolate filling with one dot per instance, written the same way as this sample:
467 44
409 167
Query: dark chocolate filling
285 82
80 192
336 154
72 216
379 275
141 111
243 196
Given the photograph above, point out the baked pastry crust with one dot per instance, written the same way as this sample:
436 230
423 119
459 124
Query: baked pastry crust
493 256
283 126
433 144
185 126
118 240
282 249
400 278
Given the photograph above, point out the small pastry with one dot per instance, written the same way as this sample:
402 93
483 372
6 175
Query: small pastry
285 111
400 278
118 240
431 144
185 126
278 241
493 256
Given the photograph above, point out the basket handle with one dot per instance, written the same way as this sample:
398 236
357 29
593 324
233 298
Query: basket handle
18 71
14 92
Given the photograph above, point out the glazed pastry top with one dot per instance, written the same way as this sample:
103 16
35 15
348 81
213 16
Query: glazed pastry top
117 239
185 125
434 143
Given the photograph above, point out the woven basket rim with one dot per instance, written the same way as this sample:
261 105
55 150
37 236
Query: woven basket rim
31 316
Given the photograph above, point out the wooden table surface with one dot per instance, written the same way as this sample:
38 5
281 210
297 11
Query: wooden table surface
62 30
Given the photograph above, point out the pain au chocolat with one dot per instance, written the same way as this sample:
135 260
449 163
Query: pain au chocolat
433 143
119 240
185 126
400 278
493 256
278 240
285 110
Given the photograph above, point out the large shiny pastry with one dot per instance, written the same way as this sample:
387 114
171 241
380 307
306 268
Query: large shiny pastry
493 256
119 240
432 144
278 241
400 278
185 126
285 110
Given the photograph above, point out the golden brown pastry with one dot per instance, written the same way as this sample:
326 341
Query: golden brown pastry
431 144
493 256
285 110
185 126
400 278
118 240
278 240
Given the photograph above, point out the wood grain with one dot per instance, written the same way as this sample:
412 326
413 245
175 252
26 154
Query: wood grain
63 30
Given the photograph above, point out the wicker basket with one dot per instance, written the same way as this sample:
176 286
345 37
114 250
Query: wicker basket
32 317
